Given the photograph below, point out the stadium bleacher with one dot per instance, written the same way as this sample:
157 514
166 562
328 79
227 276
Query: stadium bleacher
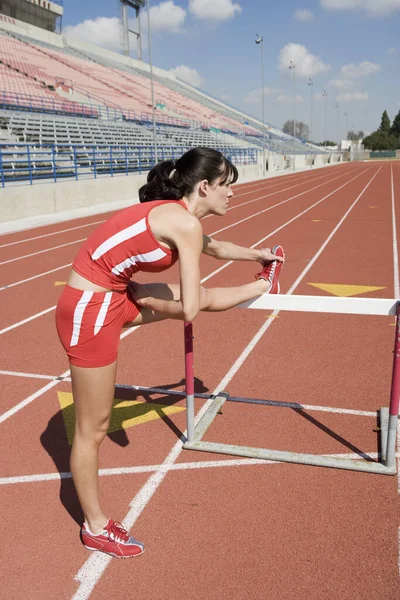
48 93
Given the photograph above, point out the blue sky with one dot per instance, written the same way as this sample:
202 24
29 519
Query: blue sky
349 48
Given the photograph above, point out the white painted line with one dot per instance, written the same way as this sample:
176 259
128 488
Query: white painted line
278 204
225 265
36 316
206 464
6 262
129 331
94 567
10 285
28 375
395 247
31 398
39 237
301 406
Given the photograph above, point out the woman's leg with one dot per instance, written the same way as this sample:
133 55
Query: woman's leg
211 299
93 392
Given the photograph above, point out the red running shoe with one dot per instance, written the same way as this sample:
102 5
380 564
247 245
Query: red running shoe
272 269
113 540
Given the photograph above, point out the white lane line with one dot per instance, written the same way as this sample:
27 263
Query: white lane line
82 240
10 285
225 265
39 237
31 398
299 405
36 316
395 247
94 567
284 190
275 205
6 262
206 464
128 332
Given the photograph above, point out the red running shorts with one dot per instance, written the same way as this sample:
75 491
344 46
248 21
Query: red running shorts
89 324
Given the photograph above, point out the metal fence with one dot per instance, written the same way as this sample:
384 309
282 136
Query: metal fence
29 163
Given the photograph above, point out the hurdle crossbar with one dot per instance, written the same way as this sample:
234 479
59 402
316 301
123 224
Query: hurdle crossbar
388 416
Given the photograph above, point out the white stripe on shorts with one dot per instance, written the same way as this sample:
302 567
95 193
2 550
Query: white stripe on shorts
78 316
101 317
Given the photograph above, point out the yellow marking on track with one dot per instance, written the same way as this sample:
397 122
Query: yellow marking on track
57 283
372 207
344 290
316 220
125 413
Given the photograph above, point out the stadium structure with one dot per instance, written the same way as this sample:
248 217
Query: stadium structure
78 116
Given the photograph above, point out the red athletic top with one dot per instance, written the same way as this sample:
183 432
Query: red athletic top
122 246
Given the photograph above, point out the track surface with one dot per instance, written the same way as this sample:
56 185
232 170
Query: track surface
215 527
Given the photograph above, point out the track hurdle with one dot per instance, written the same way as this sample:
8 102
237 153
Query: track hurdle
388 416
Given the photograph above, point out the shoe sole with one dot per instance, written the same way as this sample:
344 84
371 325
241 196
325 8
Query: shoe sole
112 554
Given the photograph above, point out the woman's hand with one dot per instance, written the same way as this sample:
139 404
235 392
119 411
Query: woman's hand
266 256
139 293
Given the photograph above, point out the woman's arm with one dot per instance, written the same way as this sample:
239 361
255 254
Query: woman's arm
185 232
229 251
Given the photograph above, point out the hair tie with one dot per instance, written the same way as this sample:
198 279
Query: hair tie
172 173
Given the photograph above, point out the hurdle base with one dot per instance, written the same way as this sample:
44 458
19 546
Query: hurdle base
317 460
383 428
291 457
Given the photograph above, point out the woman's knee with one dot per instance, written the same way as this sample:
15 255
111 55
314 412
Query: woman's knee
92 430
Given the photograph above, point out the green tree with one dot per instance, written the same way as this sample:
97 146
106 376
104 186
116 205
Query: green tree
380 140
385 123
395 129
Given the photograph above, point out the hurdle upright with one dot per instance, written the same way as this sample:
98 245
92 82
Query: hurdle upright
388 416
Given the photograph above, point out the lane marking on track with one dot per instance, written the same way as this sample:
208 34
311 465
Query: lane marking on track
276 205
6 262
277 403
9 328
94 567
209 464
344 290
39 237
232 225
230 262
6 287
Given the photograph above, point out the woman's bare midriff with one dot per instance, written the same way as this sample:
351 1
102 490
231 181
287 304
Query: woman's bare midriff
81 283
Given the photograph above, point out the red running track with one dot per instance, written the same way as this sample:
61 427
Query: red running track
215 527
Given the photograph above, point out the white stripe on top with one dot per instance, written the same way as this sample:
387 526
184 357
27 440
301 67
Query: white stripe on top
152 256
78 316
120 237
101 317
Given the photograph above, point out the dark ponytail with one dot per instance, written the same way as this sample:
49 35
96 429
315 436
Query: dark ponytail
170 180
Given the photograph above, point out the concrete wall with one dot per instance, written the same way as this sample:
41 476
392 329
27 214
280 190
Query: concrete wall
47 202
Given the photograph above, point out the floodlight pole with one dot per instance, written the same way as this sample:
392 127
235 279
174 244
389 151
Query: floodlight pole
292 67
260 41
325 96
153 108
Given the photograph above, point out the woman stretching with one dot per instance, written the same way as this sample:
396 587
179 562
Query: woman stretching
100 299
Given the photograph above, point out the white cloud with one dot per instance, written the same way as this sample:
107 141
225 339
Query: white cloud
288 99
353 71
166 16
307 65
256 96
303 15
353 97
214 10
102 31
189 75
371 8
391 51
341 84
